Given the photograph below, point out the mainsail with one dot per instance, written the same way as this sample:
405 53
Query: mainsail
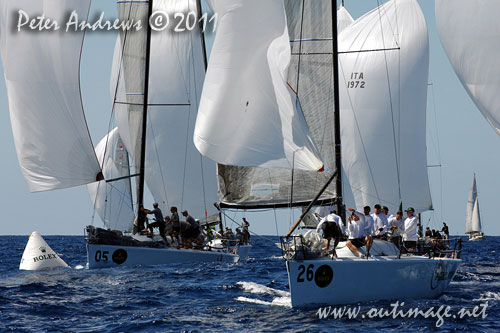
250 187
42 78
176 173
384 65
470 34
113 200
471 202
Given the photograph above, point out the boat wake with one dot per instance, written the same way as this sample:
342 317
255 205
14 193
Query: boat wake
489 296
281 297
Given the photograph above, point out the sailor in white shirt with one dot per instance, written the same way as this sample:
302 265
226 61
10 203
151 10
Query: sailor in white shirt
356 227
368 221
380 222
396 226
385 210
410 229
332 228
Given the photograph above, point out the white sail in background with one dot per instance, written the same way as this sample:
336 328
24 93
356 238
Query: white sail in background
344 19
383 106
42 78
176 173
113 201
470 34
476 218
248 115
471 200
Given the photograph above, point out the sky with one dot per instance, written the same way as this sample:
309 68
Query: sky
459 139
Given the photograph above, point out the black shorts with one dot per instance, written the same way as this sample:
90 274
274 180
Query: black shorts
358 242
332 230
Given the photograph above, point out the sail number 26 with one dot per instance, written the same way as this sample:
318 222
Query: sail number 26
309 274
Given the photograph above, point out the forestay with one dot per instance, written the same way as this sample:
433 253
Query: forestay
42 78
113 200
470 34
384 64
176 173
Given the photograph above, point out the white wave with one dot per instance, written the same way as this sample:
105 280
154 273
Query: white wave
79 267
278 301
489 296
256 288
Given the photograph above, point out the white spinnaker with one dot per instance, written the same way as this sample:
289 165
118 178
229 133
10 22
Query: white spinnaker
470 34
113 201
344 19
41 69
248 116
383 96
476 218
471 200
176 173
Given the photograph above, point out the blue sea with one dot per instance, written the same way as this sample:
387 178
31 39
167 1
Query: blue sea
250 296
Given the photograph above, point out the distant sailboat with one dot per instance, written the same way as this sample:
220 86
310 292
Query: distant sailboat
473 218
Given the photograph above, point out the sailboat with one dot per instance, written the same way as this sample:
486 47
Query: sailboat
472 217
155 123
383 157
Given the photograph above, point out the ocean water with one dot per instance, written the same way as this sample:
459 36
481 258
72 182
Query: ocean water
250 296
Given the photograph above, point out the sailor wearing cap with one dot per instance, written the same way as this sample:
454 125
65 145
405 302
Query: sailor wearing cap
410 229
380 222
356 228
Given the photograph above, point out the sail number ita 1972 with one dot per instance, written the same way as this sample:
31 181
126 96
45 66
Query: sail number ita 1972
356 80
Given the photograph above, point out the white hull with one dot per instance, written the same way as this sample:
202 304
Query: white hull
102 256
343 281
476 237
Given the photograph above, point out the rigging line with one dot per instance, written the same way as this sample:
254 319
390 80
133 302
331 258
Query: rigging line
348 52
197 106
300 45
152 104
276 222
391 102
158 159
359 133
438 149
123 177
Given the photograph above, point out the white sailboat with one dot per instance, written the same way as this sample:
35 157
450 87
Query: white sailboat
383 155
53 142
472 217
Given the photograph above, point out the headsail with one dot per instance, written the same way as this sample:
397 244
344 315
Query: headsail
471 201
176 173
248 116
253 187
113 201
42 78
476 218
384 65
470 34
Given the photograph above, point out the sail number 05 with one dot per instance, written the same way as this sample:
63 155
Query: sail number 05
309 273
101 256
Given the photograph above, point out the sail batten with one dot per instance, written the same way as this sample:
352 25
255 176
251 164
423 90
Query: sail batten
42 78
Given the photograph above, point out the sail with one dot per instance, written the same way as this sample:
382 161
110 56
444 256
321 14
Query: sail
471 200
384 64
176 173
469 32
41 69
476 218
113 200
256 187
248 115
344 19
